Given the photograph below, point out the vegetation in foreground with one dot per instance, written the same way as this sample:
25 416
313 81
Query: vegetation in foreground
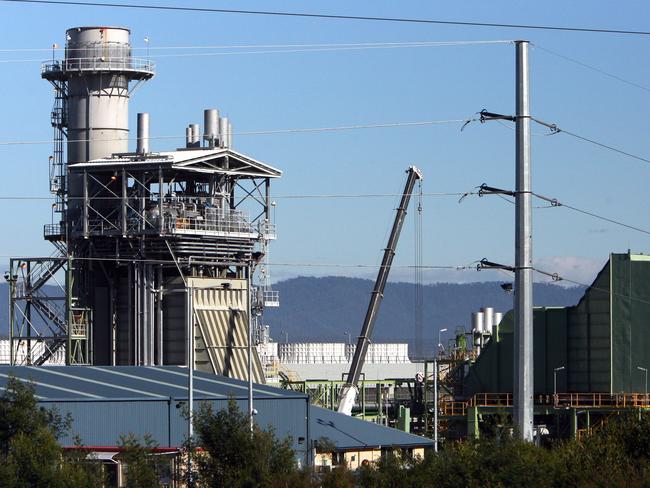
30 456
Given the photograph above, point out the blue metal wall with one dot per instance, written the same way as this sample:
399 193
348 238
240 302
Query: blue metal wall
101 422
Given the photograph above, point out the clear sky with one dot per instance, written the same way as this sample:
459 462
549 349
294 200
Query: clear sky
268 91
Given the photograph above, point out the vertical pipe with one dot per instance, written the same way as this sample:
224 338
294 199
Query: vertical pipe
143 133
188 136
190 375
250 347
125 184
196 135
435 403
523 332
159 361
210 126
161 182
85 208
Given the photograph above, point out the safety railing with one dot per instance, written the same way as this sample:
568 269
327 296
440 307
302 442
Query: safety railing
602 400
491 400
52 230
100 63
233 222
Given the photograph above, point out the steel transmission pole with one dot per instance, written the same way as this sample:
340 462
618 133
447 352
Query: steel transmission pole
523 333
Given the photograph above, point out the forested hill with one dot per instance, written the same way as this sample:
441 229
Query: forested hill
324 309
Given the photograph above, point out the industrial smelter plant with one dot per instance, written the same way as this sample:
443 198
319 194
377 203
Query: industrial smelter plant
148 241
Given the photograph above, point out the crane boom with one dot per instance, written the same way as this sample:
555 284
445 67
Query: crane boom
349 390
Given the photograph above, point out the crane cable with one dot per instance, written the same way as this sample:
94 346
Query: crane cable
418 276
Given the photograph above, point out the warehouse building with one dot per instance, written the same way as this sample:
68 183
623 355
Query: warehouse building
106 402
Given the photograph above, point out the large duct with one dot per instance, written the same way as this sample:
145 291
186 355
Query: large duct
143 133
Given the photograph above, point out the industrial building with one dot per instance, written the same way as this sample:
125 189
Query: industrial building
107 401
154 250
591 359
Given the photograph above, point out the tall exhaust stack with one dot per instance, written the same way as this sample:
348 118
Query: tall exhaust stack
143 134
92 94
210 127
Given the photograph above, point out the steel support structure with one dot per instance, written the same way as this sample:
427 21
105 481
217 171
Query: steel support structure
523 290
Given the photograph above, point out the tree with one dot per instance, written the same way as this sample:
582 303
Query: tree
30 455
232 456
142 467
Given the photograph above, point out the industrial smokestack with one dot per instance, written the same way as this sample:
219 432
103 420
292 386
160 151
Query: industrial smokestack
229 135
223 131
488 317
188 136
143 133
210 126
195 135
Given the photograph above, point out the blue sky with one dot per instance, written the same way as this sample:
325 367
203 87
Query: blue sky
339 88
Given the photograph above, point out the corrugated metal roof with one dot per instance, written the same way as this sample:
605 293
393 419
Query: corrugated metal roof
349 433
132 382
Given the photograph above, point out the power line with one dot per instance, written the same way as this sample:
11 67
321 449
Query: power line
336 17
556 130
556 203
462 267
593 68
263 132
257 48
557 277
275 197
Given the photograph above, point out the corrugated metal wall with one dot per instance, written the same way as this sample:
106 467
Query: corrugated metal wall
588 338
630 322
101 422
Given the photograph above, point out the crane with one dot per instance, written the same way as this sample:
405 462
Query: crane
349 391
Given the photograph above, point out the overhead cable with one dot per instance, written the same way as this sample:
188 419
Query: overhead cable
275 197
277 13
592 68
261 132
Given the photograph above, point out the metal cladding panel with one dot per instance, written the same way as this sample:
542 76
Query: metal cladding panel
221 328
287 417
588 338
100 423
493 370
630 324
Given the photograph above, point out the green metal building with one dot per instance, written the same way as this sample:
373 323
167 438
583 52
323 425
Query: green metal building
602 341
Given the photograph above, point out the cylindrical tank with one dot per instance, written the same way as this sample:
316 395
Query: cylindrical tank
488 317
188 136
98 97
143 133
210 126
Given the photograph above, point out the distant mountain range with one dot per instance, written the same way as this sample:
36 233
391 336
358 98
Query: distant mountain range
324 309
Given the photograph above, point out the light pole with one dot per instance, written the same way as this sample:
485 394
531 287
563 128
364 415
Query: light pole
440 348
555 383
435 403
645 371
